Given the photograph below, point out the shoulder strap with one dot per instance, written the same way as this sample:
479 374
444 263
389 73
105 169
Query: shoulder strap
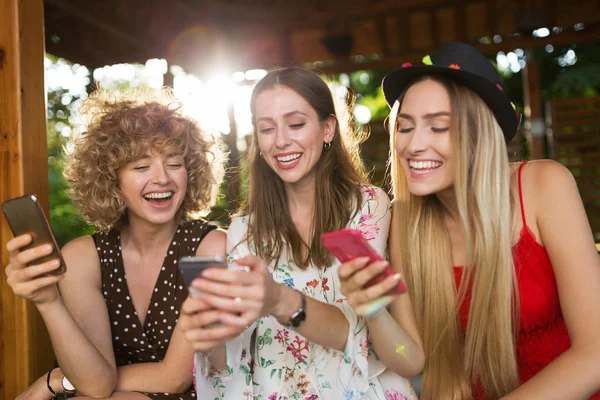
521 193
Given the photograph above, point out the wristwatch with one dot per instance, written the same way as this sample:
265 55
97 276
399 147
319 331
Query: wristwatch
297 318
68 387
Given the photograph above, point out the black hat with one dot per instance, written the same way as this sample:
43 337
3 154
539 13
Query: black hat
467 66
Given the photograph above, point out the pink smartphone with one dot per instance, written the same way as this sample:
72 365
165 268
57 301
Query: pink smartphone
349 244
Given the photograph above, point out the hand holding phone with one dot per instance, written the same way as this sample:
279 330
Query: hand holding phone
348 244
25 216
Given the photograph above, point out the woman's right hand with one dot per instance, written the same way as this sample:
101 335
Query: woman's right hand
28 279
355 274
196 316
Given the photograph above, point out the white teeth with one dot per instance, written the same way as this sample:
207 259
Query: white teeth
289 158
163 195
424 165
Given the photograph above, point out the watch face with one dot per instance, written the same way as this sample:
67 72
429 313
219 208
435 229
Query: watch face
298 319
67 385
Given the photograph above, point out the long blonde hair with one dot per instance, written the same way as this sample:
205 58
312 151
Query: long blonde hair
486 353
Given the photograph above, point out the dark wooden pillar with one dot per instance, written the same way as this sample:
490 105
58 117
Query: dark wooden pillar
534 119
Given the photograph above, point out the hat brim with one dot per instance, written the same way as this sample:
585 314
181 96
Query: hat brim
396 82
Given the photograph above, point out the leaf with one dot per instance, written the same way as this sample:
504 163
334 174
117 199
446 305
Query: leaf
248 379
326 385
267 332
273 372
245 369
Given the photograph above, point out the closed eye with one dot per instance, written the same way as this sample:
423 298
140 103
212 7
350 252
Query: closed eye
141 168
439 130
266 130
405 130
297 126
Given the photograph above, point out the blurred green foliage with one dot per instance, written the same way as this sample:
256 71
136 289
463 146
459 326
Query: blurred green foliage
65 221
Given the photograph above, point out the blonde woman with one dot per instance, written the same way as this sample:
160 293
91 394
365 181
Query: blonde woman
141 173
499 258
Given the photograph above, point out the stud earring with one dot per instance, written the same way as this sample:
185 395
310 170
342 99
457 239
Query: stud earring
327 145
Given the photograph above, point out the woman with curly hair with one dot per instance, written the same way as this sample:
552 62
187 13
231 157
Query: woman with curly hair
142 173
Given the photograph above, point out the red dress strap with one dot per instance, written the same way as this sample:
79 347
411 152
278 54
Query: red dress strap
521 193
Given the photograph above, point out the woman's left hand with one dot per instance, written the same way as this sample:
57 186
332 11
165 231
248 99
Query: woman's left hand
245 296
355 274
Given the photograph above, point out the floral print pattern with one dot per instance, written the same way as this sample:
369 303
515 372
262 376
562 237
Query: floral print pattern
269 361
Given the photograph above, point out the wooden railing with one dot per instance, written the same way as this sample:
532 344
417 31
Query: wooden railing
576 144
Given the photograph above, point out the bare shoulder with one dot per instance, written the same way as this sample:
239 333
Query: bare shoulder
543 174
542 178
84 244
83 264
213 243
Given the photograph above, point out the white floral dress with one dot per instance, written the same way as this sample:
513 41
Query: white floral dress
288 366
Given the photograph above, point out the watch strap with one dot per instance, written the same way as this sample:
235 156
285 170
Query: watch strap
297 318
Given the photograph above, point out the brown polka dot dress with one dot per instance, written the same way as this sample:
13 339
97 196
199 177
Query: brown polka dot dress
132 342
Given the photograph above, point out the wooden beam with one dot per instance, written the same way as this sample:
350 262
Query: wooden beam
24 344
82 14
589 34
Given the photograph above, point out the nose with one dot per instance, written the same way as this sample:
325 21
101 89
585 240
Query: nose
283 138
418 141
160 175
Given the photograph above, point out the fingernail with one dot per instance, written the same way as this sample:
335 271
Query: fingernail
48 248
397 277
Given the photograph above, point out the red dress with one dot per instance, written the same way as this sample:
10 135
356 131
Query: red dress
543 333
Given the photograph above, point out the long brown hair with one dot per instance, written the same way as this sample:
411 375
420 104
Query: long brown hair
486 353
339 172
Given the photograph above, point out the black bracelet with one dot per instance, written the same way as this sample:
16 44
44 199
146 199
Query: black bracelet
54 394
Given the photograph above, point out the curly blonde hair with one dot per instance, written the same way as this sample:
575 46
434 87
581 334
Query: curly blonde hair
121 128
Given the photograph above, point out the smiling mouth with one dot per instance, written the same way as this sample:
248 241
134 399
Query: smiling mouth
159 198
288 159
423 167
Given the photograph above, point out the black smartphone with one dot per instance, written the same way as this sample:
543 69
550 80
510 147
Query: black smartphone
192 267
24 215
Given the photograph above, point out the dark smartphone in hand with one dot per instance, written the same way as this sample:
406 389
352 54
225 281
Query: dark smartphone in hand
25 216
192 267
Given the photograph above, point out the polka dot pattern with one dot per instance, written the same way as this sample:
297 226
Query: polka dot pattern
134 342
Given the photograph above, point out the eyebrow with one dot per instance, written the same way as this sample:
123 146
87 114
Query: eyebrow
170 155
426 116
286 115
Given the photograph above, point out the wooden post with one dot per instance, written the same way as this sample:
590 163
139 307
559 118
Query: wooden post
532 96
25 348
